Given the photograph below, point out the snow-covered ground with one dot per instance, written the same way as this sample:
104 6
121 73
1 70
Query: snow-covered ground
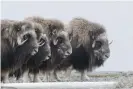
124 79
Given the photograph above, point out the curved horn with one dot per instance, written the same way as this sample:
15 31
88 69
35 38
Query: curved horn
41 43
20 42
55 41
42 40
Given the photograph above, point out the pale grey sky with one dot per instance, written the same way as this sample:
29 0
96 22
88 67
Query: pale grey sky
115 16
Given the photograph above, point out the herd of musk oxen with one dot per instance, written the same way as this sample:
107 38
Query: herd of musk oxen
36 44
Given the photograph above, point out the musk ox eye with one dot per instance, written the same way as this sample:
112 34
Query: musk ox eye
60 40
36 29
28 27
98 44
26 36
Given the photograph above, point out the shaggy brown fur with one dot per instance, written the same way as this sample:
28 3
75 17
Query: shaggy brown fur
48 24
80 28
5 26
38 29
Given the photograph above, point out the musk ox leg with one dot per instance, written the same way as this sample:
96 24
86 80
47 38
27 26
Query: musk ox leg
56 77
36 77
84 76
48 76
26 76
51 75
44 75
30 77
5 76
68 73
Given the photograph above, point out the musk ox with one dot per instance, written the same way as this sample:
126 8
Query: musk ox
90 47
44 53
18 43
59 43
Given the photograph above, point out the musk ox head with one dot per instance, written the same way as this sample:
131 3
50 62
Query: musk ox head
43 54
19 33
100 47
46 48
59 37
44 45
26 36
62 43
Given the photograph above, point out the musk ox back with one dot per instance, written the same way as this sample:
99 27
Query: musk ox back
18 42
90 46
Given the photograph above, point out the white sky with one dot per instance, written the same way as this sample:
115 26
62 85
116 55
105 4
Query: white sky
115 16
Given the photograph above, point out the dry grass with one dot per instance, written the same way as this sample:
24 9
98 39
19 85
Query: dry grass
104 75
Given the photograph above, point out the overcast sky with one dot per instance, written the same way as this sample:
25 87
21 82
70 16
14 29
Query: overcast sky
115 16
